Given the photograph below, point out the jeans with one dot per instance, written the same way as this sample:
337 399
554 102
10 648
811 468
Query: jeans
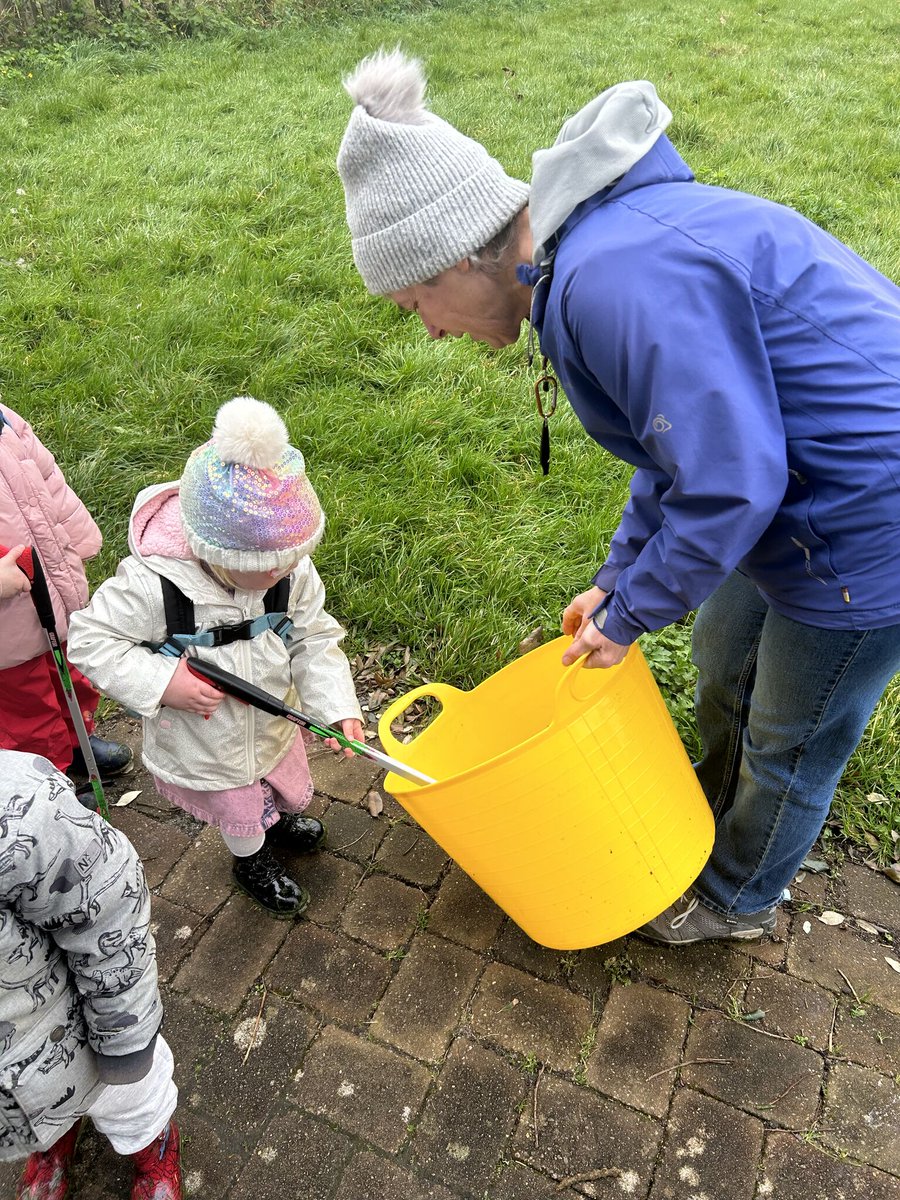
780 708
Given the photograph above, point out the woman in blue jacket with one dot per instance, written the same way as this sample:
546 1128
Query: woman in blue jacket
747 364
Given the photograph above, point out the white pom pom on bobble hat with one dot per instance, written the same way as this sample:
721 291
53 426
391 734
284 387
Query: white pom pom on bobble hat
246 503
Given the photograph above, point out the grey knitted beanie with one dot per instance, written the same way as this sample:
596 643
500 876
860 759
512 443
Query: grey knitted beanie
420 195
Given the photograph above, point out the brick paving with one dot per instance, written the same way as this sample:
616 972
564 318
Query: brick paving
405 1041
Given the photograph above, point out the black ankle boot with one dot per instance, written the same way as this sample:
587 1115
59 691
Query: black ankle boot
300 834
264 880
111 757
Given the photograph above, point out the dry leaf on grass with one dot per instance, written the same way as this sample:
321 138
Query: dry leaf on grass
533 640
892 872
867 927
893 964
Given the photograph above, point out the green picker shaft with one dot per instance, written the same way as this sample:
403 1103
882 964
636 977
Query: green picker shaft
29 562
233 685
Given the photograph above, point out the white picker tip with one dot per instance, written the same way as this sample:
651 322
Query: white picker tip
250 432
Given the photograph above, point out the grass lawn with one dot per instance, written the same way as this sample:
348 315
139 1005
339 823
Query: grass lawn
172 234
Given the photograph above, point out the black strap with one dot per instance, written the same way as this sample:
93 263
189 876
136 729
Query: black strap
179 609
276 599
180 619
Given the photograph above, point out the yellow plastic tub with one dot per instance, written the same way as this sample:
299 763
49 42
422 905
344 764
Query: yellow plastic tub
566 794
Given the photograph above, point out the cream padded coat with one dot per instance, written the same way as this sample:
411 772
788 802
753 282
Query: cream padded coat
242 744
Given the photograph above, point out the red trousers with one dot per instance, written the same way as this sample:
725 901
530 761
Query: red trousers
34 716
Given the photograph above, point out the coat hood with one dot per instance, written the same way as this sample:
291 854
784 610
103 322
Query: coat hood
594 148
155 526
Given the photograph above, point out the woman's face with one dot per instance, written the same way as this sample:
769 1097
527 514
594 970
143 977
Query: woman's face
465 300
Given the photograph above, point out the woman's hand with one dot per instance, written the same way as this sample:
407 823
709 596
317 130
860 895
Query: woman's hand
13 580
351 728
578 612
576 621
187 692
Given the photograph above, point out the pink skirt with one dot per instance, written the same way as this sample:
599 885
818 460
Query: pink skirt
247 811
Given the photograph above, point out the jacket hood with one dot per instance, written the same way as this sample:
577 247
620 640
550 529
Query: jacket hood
594 148
155 527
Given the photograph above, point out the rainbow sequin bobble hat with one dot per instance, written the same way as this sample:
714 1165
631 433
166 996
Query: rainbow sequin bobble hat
246 503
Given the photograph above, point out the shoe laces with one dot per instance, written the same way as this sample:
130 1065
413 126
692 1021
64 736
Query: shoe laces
677 922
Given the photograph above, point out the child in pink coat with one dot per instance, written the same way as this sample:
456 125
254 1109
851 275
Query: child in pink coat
39 509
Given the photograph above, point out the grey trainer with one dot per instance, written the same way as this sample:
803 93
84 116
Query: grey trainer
687 920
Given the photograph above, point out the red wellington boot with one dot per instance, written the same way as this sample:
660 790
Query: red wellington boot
157 1168
46 1174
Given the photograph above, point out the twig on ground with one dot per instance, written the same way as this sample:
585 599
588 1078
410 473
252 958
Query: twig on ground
587 1176
347 845
849 985
255 1028
534 1114
831 1031
692 1062
765 1032
772 1103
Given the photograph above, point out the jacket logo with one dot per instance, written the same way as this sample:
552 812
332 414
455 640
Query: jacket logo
660 424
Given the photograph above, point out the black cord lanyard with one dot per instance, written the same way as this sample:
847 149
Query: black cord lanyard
546 386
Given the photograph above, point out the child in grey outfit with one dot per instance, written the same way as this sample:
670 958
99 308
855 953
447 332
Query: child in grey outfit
80 1009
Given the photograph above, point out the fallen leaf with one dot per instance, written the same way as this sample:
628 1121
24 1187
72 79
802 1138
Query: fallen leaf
871 839
126 798
895 836
814 865
832 918
374 803
893 964
807 927
876 798
866 927
533 640
754 1016
892 872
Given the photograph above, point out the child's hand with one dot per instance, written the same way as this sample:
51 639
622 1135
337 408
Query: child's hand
187 692
12 579
351 728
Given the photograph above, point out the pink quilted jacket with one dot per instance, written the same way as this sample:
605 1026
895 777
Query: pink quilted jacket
38 508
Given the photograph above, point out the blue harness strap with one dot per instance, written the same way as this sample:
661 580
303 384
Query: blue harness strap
181 626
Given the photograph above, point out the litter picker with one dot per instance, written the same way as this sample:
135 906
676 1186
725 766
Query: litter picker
29 562
233 685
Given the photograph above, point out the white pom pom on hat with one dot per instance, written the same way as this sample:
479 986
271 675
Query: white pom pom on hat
389 86
249 432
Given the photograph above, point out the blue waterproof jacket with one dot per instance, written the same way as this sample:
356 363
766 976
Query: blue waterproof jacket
748 364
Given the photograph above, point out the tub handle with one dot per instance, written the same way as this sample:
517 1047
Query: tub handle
444 692
579 685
